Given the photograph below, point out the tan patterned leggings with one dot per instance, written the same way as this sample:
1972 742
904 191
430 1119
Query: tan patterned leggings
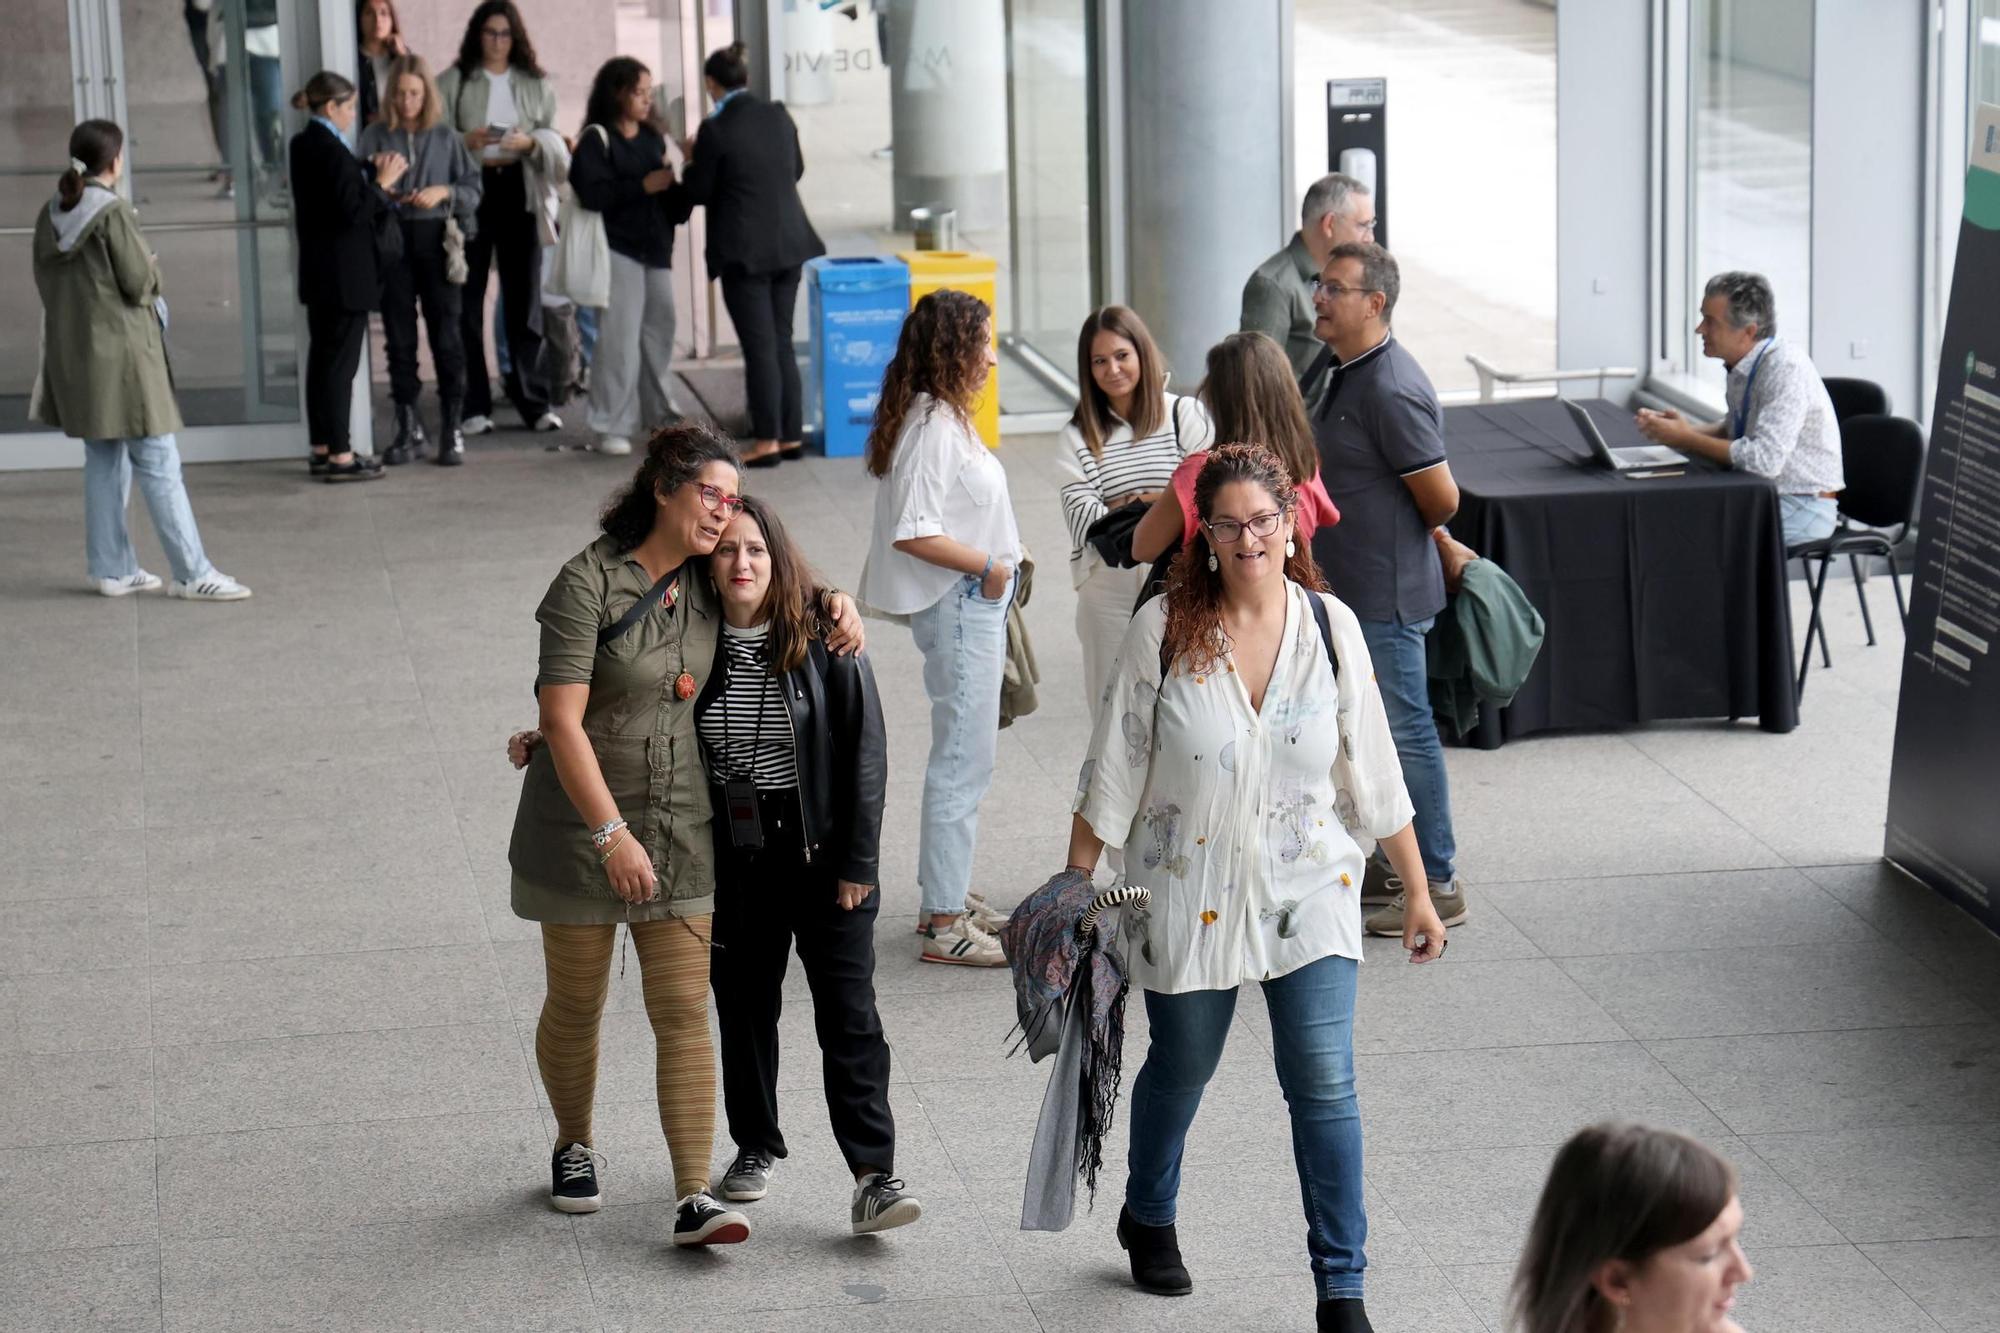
673 962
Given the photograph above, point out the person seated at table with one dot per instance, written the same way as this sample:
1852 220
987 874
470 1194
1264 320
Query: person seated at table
1781 422
1278 298
1380 433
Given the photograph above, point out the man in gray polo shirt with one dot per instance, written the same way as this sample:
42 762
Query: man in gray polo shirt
1381 457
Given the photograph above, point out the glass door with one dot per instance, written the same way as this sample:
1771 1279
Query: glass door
199 88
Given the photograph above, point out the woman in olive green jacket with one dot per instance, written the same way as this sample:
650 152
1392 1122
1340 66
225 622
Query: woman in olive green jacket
104 376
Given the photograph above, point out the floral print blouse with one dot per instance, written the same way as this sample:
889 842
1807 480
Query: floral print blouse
1247 825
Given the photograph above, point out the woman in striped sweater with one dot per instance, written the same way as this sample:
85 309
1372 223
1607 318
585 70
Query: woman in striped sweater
1127 436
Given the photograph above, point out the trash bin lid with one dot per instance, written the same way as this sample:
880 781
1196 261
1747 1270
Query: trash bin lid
858 273
942 263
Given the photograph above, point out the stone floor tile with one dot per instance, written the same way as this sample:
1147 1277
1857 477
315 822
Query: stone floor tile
106 1196
1842 1080
109 863
866 1311
348 992
1824 1289
1486 1288
1522 1002
323 1177
48 1012
517 1271
1957 1282
1935 932
76 1097
1796 988
57 935
1400 1300
341 1077
1910 1182
1657 913
244 920
113 1289
251 790
303 849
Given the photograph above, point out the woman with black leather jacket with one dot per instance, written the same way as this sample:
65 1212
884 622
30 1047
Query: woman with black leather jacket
797 760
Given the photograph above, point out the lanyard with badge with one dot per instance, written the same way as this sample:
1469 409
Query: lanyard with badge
1749 383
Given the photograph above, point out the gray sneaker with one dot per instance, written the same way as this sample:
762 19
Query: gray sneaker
1448 899
1380 886
749 1176
880 1204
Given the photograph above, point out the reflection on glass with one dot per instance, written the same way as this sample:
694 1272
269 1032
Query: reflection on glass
1750 156
1050 269
1985 51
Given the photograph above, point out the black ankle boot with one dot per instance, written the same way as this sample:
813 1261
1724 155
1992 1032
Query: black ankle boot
451 443
1156 1256
409 435
1344 1316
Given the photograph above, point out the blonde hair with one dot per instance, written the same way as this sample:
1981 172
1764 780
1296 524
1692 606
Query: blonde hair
403 67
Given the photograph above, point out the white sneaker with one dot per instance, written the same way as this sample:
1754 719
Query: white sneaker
964 942
989 919
616 445
476 425
214 586
139 582
548 421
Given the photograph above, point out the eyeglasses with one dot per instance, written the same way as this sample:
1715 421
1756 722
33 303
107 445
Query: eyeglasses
1333 291
496 34
714 501
1228 531
1367 227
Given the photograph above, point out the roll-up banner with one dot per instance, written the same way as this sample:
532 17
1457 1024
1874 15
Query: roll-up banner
1944 786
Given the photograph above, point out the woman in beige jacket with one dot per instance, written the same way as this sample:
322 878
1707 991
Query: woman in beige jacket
104 377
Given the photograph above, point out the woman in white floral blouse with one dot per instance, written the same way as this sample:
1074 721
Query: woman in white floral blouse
1240 759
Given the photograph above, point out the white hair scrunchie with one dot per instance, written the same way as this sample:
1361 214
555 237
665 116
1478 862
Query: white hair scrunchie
76 165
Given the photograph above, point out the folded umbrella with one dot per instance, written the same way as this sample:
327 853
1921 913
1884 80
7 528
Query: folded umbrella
1069 995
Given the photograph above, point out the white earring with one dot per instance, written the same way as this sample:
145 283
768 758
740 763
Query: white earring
1213 563
1291 548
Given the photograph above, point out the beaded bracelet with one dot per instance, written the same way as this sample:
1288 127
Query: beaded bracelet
602 834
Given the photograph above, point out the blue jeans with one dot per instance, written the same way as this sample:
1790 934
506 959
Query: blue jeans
1403 674
1312 1038
1806 518
964 642
108 466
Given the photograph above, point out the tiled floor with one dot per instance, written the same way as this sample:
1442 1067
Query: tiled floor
264 1013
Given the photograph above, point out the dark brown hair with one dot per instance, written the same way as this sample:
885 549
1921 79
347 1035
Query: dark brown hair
96 144
1093 406
321 90
1252 395
729 66
942 352
1616 1191
395 19
520 55
792 602
674 457
617 78
1194 633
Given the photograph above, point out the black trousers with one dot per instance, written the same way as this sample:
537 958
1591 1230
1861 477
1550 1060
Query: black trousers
765 902
419 278
333 354
506 240
760 305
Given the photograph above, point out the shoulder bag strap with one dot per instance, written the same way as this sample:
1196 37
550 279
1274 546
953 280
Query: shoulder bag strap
639 610
1320 618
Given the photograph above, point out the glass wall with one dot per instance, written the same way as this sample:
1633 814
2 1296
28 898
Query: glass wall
1749 161
1471 158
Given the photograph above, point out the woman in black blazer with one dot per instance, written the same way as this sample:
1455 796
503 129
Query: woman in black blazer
745 165
337 200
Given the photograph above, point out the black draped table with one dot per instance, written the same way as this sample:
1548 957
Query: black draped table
1664 597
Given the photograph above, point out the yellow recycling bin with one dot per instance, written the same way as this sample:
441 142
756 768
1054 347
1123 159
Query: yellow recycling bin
965 271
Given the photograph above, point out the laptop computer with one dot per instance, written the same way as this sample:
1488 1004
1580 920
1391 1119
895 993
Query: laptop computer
1622 460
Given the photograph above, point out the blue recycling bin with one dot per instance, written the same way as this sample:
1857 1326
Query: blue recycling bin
856 308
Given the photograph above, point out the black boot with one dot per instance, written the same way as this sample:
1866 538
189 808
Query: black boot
1156 1256
451 443
409 436
1344 1316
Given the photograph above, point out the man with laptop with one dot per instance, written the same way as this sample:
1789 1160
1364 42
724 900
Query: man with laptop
1380 434
1781 422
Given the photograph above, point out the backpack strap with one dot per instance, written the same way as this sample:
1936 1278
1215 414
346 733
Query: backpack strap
1320 618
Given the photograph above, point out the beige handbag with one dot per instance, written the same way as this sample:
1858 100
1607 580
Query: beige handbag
454 252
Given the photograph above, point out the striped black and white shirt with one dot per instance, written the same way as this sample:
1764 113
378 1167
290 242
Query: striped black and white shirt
1128 465
746 731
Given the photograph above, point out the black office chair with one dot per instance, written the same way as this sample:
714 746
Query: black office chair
1883 459
1856 398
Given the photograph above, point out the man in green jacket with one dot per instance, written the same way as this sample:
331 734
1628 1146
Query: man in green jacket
1278 298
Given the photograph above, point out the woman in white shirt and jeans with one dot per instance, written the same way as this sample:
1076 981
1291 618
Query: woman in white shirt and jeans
1238 767
1127 436
942 559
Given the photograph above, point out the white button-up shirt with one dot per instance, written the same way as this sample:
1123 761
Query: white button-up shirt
942 482
1246 824
1789 432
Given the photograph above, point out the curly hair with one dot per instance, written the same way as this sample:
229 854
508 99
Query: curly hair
1194 634
942 352
616 79
674 457
520 55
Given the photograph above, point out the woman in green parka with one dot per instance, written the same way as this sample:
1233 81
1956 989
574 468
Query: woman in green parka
104 376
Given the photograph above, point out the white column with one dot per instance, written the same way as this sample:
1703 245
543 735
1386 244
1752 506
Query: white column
948 109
